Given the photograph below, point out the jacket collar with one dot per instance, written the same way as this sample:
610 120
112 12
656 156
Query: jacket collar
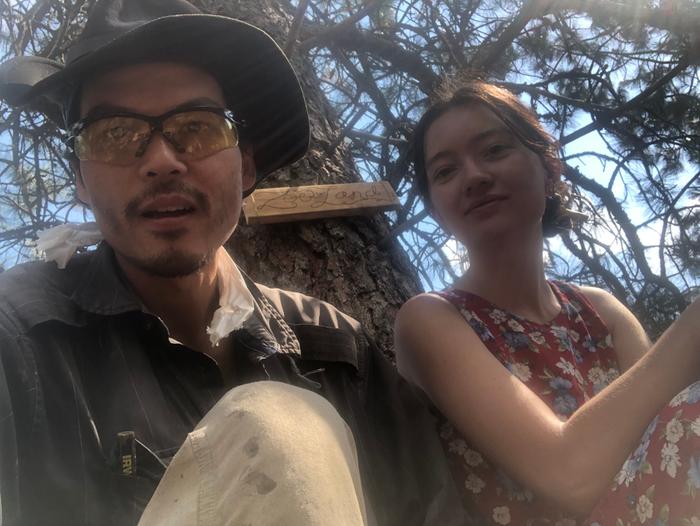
104 290
267 320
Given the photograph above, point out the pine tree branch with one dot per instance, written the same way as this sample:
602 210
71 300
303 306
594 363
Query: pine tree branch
670 17
604 118
326 35
293 34
490 53
398 57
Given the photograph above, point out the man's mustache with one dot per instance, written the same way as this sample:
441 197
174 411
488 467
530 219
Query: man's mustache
167 187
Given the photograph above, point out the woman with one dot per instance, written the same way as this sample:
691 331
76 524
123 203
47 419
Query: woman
557 410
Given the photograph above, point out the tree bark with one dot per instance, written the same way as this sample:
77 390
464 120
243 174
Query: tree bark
338 260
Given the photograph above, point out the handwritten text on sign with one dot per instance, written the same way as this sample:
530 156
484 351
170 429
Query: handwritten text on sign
297 203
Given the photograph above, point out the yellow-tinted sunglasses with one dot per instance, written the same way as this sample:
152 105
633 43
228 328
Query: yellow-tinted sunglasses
121 137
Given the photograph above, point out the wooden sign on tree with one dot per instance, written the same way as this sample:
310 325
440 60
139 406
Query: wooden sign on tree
297 203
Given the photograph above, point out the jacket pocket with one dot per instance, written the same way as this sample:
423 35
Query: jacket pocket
326 344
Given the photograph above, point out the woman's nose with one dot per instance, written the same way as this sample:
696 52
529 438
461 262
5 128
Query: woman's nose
475 177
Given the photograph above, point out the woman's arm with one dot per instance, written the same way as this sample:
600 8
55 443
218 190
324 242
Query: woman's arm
573 462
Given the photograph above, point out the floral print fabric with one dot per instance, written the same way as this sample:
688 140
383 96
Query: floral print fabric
566 362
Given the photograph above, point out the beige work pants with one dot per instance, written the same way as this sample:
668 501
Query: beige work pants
267 454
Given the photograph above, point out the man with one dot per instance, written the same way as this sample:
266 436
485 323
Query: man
108 365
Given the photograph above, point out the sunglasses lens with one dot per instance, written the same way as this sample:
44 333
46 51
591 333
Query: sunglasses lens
114 140
195 134
198 134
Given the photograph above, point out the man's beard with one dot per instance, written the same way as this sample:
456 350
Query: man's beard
171 264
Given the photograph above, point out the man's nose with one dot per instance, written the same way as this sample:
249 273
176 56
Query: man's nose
160 158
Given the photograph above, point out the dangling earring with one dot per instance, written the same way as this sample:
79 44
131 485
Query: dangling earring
552 206
552 200
557 218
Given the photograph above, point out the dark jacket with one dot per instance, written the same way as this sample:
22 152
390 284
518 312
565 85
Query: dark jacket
87 376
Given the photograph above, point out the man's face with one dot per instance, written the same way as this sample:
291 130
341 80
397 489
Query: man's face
162 214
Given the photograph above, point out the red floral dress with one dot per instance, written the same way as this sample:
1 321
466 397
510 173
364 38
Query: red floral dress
566 362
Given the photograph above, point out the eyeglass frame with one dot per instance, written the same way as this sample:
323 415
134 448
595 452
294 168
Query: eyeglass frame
155 121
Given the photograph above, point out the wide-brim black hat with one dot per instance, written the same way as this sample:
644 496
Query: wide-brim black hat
259 83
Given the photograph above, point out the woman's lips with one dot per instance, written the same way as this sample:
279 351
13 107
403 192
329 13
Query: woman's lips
486 202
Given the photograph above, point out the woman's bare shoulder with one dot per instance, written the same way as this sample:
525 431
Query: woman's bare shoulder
426 309
425 329
629 338
424 300
608 307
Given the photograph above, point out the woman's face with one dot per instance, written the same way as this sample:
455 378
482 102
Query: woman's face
484 183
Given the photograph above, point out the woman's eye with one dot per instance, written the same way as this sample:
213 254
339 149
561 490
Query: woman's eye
442 173
496 150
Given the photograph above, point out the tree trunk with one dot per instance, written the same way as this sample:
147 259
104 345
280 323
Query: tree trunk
348 262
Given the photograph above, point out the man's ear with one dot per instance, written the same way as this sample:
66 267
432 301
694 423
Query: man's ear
81 191
248 170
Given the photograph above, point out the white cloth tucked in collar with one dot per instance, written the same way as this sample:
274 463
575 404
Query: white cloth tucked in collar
60 243
236 303
235 300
